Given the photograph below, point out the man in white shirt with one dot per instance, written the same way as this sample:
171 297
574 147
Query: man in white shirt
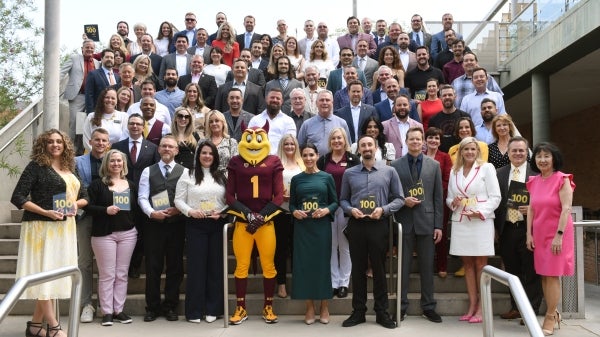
180 60
471 103
331 45
153 129
149 90
305 43
279 124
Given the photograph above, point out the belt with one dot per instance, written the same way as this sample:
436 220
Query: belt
522 222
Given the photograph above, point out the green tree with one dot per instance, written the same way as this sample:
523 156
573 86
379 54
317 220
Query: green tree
21 56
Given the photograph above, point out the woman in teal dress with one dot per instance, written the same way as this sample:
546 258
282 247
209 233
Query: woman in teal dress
312 202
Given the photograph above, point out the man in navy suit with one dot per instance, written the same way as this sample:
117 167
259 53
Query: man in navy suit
147 43
100 79
418 35
140 154
438 40
207 83
256 60
189 31
421 218
254 98
356 113
392 90
245 39
351 38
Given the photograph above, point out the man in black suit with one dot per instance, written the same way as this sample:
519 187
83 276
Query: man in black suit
254 98
147 43
355 111
418 35
257 61
511 226
236 118
254 75
140 153
207 83
219 19
99 79
245 39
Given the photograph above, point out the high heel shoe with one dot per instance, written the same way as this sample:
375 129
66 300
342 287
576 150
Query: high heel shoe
34 325
555 318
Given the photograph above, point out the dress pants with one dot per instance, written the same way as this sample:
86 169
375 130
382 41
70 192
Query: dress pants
341 264
204 286
85 258
368 240
163 242
518 260
284 229
425 252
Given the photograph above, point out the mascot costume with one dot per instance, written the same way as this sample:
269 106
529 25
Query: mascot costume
254 193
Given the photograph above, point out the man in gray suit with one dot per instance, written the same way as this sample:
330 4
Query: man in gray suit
286 82
421 218
236 118
180 60
201 47
77 66
364 63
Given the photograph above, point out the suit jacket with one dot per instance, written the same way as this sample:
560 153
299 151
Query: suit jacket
421 219
345 41
334 82
241 39
94 83
292 84
155 59
264 63
235 131
169 61
147 155
254 98
206 55
345 113
84 169
384 110
75 68
370 68
412 61
179 33
254 75
500 213
207 84
392 133
426 37
412 46
438 43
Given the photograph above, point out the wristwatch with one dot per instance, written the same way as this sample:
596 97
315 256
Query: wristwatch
559 232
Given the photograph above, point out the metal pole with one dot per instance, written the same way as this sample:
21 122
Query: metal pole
354 8
51 63
399 278
225 279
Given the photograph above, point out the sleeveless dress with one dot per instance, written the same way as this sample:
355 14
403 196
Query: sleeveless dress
47 245
545 202
428 110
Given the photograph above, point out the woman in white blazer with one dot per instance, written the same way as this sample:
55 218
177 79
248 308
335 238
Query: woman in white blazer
473 195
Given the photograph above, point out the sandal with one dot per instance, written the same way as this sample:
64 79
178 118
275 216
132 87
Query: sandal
54 330
38 326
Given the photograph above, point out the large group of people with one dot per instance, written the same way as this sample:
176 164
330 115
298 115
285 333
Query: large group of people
312 144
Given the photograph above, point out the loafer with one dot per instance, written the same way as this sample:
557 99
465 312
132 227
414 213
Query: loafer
355 318
335 291
384 319
511 314
150 316
432 316
171 315
342 292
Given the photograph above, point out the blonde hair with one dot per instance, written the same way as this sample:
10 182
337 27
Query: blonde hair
459 158
344 135
221 117
188 133
106 179
325 56
297 156
503 118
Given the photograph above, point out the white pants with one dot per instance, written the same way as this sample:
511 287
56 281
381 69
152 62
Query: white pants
341 266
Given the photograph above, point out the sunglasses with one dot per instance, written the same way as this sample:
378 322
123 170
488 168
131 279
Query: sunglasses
183 116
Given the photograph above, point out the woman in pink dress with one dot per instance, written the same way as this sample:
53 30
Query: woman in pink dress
550 232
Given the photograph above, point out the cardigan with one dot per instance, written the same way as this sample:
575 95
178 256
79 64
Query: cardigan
100 198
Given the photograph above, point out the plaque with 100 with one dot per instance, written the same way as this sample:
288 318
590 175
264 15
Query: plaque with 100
517 195
160 201
122 200
310 204
61 204
417 190
367 205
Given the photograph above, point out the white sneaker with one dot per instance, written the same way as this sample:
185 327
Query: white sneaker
87 314
210 319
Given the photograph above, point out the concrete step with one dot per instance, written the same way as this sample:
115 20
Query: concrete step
9 246
10 230
450 304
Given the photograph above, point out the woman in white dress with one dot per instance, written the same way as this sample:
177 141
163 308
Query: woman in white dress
107 117
164 39
320 59
296 59
473 195
217 68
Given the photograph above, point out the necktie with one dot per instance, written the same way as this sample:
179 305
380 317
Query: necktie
413 170
111 78
146 130
284 83
247 42
513 215
418 39
380 40
361 63
133 152
167 172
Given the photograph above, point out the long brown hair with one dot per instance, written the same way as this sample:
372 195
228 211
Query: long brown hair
43 158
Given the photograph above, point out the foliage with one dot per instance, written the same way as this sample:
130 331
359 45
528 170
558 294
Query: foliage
13 171
21 56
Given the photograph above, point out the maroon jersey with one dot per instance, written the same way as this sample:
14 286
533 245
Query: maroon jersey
255 186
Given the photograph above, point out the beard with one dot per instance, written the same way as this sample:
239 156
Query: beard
171 82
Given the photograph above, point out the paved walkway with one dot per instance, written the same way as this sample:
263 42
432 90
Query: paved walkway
13 326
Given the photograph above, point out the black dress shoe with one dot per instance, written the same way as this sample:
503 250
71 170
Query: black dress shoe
355 319
150 316
335 291
383 319
402 315
134 272
342 292
432 316
171 315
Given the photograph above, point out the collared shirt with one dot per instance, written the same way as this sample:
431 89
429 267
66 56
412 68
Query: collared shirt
419 160
172 99
144 186
484 134
279 126
138 144
316 130
471 104
162 112
355 110
311 100
95 164
464 86
240 85
522 177
256 63
181 62
403 127
300 119
199 50
165 128
404 58
381 181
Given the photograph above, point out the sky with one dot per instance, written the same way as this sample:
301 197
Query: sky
152 12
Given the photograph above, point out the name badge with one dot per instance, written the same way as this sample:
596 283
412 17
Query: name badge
518 195
61 204
160 201
310 204
417 191
367 205
122 200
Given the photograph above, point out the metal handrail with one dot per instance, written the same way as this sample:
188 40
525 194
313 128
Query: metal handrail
399 272
31 107
518 293
13 295
225 275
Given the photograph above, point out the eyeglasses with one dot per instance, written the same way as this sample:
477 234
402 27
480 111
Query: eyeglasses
322 26
183 116
136 124
416 20
190 19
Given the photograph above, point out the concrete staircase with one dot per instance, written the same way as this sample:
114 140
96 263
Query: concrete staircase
450 294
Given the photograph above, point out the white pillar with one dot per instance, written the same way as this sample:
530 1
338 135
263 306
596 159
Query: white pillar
51 63
540 108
